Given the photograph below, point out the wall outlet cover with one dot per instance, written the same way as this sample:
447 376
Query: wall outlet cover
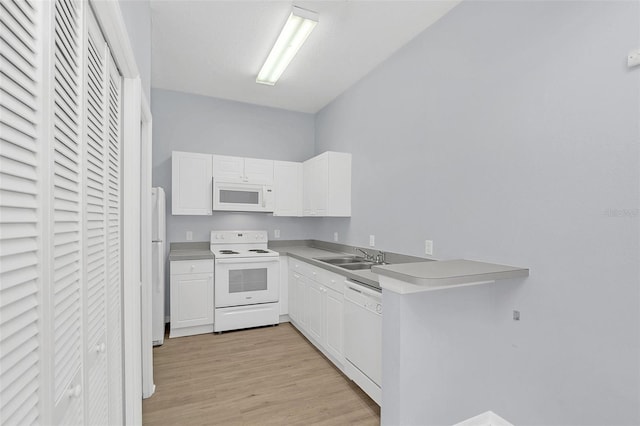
276 233
189 235
428 247
372 240
335 237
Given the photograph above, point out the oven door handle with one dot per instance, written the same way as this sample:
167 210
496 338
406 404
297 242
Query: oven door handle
248 260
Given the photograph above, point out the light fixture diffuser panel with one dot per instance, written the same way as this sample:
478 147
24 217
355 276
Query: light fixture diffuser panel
293 35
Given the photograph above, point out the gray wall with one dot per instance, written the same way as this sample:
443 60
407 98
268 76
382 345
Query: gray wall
185 122
508 132
137 18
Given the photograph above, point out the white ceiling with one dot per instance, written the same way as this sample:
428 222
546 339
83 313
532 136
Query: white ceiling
216 48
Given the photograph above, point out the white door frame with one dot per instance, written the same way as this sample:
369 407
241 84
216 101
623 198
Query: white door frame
110 18
146 273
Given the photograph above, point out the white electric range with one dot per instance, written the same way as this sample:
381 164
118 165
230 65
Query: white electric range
246 280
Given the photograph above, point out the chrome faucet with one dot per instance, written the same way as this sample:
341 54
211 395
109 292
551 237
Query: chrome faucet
379 258
367 256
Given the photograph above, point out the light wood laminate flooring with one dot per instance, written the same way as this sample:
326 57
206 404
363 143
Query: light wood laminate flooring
261 376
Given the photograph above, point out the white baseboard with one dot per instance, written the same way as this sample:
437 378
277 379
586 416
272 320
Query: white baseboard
284 318
485 419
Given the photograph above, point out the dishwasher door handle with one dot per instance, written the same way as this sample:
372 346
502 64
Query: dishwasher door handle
355 289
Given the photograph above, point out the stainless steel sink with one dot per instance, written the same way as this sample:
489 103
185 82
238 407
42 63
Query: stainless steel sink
341 260
351 263
357 266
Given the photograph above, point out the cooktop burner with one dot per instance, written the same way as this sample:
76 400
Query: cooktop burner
259 251
228 252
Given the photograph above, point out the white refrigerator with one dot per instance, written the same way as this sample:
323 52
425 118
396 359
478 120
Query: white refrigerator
158 236
153 293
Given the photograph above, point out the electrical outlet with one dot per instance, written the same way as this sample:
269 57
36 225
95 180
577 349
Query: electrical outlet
189 235
335 237
516 315
428 247
276 233
372 240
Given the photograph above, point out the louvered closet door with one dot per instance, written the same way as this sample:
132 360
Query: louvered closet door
20 212
95 225
65 186
114 271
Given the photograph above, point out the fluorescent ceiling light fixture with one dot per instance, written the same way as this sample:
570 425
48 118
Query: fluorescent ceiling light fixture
294 33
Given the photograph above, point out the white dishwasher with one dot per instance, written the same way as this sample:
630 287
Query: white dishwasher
363 337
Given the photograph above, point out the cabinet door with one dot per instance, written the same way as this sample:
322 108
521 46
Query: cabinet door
258 171
315 182
314 309
287 185
301 303
228 168
191 179
191 300
284 285
334 324
307 191
320 185
294 297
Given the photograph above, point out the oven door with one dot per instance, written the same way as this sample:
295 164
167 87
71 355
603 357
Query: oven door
246 281
231 196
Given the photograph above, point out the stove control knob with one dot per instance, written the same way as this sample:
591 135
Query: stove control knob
379 308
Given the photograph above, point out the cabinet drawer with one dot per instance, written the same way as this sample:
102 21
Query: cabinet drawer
332 281
301 268
191 266
320 275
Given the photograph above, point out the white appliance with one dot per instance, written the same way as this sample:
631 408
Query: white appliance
246 280
242 196
158 237
363 338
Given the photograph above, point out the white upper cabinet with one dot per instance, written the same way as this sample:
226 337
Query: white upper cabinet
239 169
258 171
287 186
228 168
191 190
321 186
327 185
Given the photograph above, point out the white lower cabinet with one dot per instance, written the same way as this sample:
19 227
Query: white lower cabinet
334 323
316 307
314 304
191 297
296 299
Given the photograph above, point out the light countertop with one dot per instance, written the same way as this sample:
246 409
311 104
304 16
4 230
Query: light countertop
307 254
190 251
427 276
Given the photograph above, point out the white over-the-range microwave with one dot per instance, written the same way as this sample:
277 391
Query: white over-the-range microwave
242 196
